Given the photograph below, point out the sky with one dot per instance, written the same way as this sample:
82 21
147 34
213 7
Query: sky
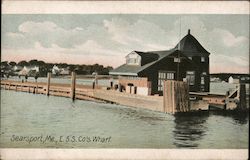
107 38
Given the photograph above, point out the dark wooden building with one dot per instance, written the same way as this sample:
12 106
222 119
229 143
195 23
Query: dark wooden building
188 61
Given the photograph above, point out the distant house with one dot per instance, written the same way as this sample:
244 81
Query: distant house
26 70
188 61
233 80
17 68
60 71
64 71
55 70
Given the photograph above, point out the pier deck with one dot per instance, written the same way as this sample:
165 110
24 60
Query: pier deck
197 101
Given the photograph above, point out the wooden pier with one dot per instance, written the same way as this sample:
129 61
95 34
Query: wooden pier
176 96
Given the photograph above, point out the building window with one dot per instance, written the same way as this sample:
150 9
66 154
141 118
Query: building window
164 75
202 59
132 61
202 88
177 60
190 76
170 75
202 80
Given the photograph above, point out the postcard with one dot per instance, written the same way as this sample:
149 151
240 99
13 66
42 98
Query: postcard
124 80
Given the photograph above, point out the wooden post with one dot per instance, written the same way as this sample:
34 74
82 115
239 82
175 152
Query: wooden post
16 87
242 97
36 89
73 85
119 87
48 83
175 97
9 86
96 79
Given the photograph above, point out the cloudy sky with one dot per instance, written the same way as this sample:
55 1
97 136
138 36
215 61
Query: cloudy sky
107 39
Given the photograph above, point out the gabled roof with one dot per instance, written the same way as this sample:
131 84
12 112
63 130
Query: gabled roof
147 57
188 46
133 70
191 47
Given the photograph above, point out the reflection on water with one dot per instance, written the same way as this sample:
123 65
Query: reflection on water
240 117
189 129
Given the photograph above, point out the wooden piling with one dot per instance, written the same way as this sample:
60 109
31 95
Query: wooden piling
48 83
96 79
175 97
36 89
73 85
242 104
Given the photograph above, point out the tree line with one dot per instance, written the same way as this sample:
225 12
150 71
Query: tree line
44 68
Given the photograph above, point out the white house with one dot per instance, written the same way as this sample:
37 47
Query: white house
59 71
232 80
26 70
55 70
64 71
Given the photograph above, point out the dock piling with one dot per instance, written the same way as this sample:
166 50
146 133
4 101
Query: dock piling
73 85
48 83
175 97
242 97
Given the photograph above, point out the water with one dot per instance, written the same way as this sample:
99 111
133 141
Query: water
76 124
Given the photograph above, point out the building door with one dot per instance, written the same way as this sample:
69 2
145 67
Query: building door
164 75
190 76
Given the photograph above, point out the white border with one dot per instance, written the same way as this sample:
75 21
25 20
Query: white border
114 154
125 7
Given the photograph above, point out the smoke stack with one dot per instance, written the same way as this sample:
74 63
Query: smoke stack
188 31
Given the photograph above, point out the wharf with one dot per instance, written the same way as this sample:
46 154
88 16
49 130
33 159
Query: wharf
177 98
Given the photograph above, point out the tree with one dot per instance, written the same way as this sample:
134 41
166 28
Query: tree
4 64
41 63
33 62
12 63
23 63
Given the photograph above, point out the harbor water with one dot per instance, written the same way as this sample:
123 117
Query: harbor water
38 121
